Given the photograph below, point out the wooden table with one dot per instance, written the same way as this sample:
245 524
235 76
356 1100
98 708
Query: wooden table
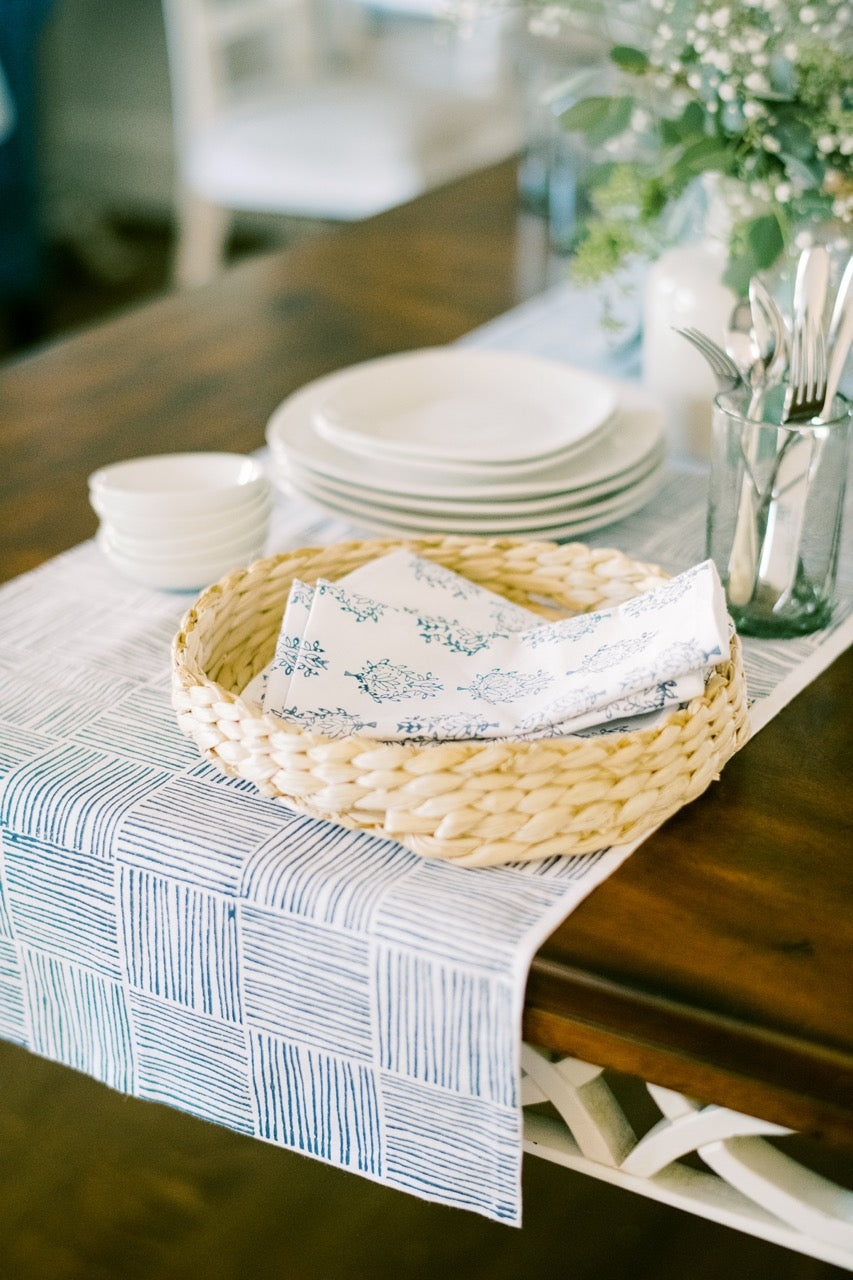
717 961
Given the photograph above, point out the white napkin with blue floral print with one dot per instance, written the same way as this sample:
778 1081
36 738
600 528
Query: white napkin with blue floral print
404 649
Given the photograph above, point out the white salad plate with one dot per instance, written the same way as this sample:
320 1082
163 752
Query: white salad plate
291 474
456 409
631 435
572 520
578 521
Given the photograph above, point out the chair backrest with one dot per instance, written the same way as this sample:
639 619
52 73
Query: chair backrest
215 46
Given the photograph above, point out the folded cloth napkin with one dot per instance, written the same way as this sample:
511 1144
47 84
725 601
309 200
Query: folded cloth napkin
386 665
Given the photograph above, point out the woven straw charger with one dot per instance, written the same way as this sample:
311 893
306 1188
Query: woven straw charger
477 803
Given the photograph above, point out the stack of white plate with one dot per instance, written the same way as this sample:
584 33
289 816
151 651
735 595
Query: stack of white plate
177 521
452 440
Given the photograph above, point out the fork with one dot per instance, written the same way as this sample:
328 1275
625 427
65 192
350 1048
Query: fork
723 367
807 387
784 510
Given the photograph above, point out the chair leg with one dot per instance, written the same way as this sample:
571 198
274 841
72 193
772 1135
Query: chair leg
202 232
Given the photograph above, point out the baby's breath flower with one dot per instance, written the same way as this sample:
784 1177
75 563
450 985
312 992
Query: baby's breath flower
757 89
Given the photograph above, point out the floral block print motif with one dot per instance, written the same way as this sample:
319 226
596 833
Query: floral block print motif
386 681
444 641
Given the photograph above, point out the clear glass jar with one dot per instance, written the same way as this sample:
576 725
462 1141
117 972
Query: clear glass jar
775 511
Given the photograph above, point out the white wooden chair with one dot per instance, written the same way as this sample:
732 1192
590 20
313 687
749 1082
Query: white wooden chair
269 117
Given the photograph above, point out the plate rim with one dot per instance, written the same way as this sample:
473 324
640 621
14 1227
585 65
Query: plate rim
392 450
635 496
559 499
292 415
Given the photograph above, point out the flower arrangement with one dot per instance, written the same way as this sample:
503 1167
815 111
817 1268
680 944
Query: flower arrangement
756 91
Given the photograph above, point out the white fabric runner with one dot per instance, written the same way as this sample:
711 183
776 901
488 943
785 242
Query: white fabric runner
170 932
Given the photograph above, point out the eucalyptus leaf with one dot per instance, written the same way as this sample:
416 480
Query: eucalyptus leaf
810 175
628 59
598 118
793 136
671 132
765 239
783 77
706 155
692 121
688 127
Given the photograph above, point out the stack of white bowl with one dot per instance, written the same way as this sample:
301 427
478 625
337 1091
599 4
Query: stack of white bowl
178 521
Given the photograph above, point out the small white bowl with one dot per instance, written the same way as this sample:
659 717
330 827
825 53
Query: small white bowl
177 485
173 550
219 533
190 574
198 525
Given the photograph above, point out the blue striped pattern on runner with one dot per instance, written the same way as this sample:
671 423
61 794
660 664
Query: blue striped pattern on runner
6 930
138 727
63 902
475 915
455 1149
307 982
181 944
217 826
18 745
323 1105
191 1061
78 1017
12 1012
325 873
443 1025
75 797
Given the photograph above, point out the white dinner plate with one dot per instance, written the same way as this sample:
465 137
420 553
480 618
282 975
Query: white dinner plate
288 472
578 520
632 433
454 408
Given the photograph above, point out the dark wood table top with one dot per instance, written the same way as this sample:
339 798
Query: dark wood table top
717 960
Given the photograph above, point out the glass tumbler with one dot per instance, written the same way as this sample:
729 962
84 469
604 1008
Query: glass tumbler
775 511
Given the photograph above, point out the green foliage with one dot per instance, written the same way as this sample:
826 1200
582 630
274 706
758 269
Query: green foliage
629 59
758 93
598 118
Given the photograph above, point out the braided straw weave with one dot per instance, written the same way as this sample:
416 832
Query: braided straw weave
480 803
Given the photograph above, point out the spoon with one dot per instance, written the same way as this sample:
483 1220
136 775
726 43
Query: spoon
783 508
839 338
771 340
768 340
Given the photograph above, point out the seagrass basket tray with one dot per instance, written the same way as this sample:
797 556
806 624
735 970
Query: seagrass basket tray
480 803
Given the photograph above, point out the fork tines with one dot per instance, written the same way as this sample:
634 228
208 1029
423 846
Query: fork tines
807 385
722 365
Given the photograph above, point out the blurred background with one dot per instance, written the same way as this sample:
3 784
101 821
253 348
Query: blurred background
145 145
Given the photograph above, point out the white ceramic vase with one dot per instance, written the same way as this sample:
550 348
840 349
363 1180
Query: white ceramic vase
684 288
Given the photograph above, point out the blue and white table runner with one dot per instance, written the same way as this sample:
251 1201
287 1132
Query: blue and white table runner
171 933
